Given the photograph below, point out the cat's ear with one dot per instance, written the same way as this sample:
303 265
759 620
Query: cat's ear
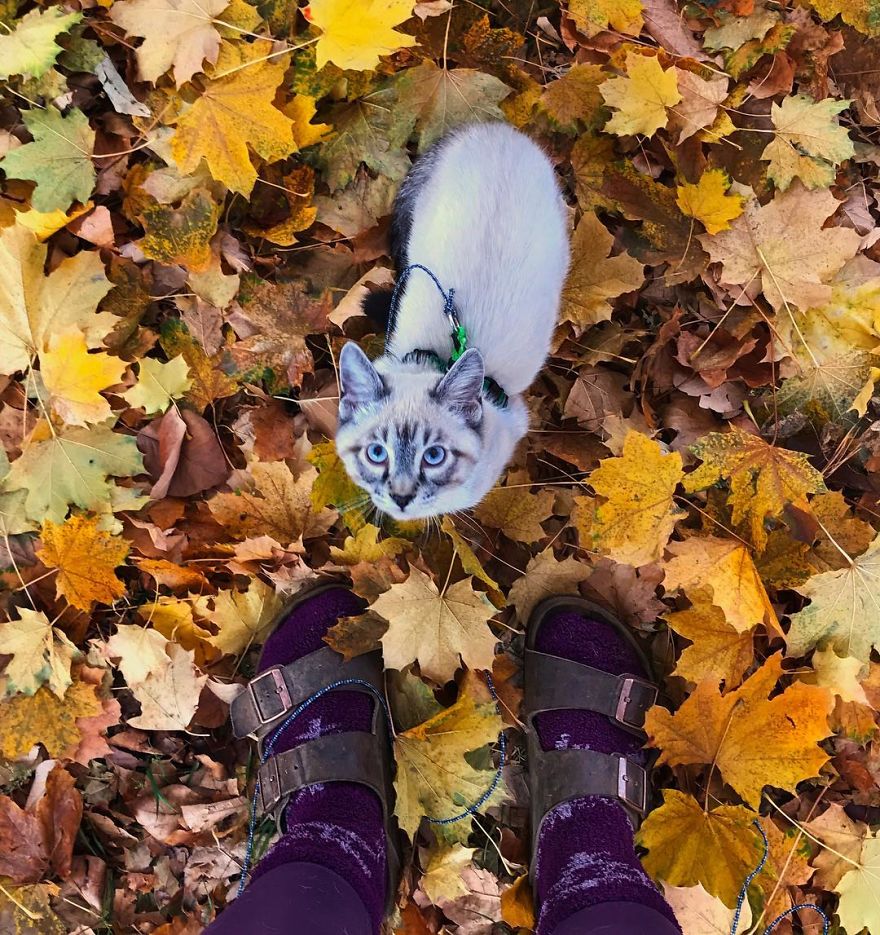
461 387
360 383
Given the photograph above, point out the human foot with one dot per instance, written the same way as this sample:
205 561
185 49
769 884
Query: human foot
587 688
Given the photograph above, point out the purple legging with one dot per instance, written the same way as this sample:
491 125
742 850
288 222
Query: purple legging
305 899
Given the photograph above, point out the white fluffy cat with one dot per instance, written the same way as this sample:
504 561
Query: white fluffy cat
482 212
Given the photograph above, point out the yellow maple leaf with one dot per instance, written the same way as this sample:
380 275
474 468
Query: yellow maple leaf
34 307
640 98
159 384
47 719
843 612
718 649
688 845
763 479
354 33
22 908
637 514
809 142
515 510
725 569
594 277
433 776
437 630
85 557
839 675
236 114
859 907
708 201
334 487
575 96
180 235
366 547
74 378
593 16
40 654
752 741
242 618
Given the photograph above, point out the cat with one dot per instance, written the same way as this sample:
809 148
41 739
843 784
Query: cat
480 214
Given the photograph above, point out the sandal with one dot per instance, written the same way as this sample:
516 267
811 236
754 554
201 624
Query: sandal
270 698
553 683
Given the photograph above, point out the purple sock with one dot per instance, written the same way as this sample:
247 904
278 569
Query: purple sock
585 853
338 825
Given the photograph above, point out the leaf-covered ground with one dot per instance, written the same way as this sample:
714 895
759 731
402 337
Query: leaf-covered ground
195 199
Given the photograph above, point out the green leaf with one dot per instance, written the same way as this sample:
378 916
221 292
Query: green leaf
59 159
30 49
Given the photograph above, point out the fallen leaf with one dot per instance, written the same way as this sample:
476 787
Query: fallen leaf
233 116
545 577
809 143
441 879
753 742
690 846
517 512
34 307
59 159
594 278
41 654
159 384
433 776
784 247
640 98
594 17
718 650
764 479
726 570
242 618
700 913
858 908
356 37
86 558
708 201
437 630
843 612
177 33
74 378
637 512
30 48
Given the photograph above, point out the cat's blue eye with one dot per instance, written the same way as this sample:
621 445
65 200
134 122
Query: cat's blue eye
434 455
376 453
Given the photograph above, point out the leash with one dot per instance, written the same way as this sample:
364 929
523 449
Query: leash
826 922
491 388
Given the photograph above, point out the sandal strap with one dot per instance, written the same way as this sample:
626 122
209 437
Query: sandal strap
555 683
558 776
276 691
354 756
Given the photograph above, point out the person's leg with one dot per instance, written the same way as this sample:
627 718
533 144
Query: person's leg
337 826
295 899
585 857
617 919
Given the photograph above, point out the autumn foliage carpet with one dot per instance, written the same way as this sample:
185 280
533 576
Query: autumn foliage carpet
195 199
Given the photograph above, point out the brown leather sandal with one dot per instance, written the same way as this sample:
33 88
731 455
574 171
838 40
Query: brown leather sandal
271 697
553 683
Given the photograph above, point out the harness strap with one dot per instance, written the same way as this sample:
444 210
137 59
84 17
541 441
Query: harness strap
492 390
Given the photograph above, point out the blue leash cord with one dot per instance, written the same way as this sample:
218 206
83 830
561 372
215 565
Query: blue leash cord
826 923
269 749
459 334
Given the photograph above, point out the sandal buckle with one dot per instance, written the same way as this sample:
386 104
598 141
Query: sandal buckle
270 784
634 698
274 699
632 784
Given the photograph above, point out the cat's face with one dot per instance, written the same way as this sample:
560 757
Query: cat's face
413 439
